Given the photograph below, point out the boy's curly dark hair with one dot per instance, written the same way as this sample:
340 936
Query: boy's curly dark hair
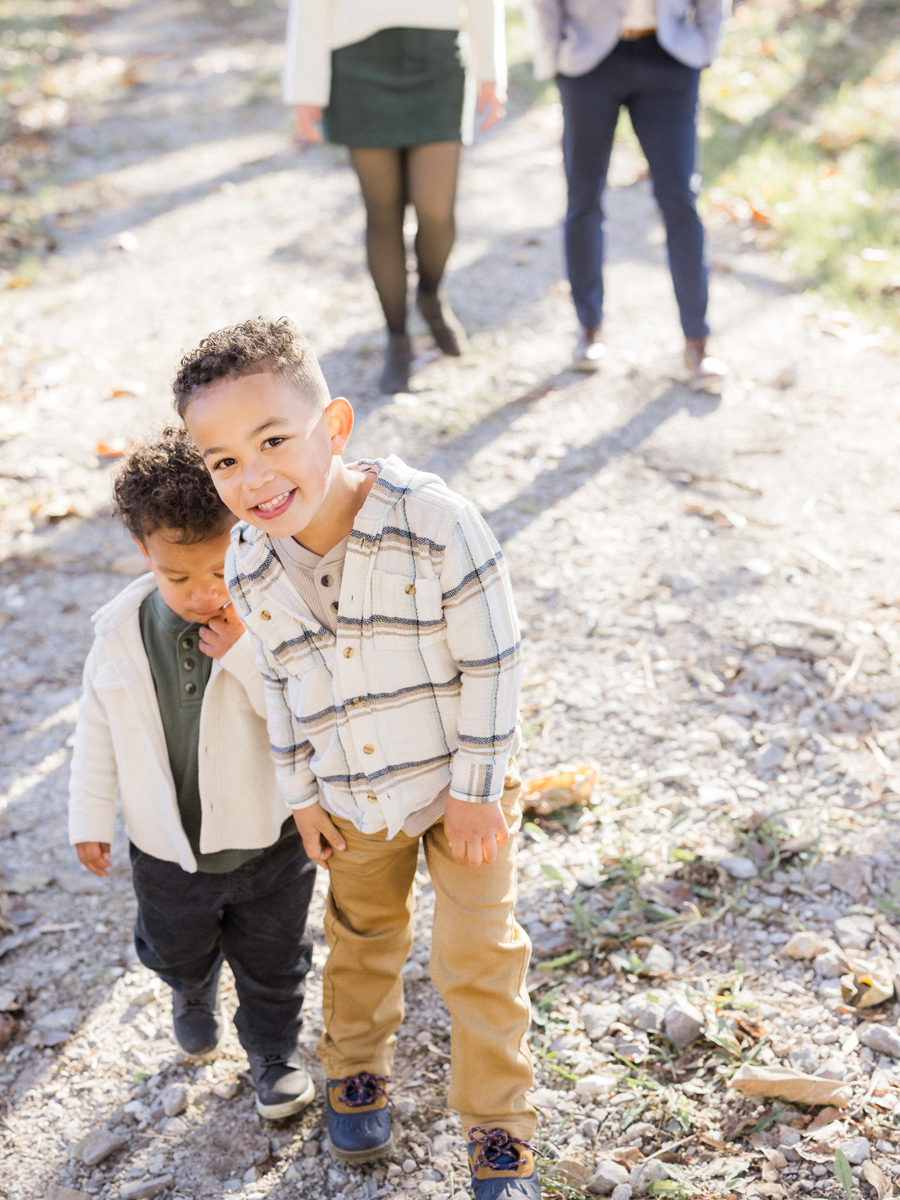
256 347
165 484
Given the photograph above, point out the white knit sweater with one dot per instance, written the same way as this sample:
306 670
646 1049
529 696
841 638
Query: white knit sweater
316 27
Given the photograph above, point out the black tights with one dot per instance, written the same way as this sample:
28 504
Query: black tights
424 176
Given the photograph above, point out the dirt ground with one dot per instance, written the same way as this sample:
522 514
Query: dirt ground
710 601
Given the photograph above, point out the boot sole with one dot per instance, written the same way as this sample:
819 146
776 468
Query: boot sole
361 1156
287 1108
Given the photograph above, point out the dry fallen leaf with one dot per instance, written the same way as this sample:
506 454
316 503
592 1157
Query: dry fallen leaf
110 450
790 1085
874 1175
626 1156
869 981
550 792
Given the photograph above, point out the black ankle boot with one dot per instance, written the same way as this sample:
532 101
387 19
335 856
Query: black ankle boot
443 323
397 362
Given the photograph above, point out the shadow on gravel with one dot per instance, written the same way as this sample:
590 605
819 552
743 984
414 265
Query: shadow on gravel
572 471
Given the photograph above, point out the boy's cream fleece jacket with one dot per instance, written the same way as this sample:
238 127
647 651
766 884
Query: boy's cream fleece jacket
120 748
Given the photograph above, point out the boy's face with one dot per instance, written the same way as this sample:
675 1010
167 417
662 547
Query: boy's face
190 576
268 449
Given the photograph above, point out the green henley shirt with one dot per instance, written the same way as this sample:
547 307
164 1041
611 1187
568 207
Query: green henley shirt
180 673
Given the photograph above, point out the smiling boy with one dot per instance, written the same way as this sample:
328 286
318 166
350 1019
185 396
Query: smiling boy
172 717
385 627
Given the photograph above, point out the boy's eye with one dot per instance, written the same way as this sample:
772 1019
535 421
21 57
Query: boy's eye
222 463
183 579
273 441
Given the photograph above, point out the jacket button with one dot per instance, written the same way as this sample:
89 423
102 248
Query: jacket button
348 652
190 688
368 749
266 616
187 643
188 664
327 581
410 589
372 798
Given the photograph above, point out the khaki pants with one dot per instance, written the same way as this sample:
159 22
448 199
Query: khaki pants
479 957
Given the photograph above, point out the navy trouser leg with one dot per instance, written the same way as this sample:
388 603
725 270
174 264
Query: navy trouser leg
663 110
255 917
590 111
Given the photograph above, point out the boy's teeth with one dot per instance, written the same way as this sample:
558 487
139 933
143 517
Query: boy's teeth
270 504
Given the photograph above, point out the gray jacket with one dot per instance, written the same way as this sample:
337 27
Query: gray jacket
570 37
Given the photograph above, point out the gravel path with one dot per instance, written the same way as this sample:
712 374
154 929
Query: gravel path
708 586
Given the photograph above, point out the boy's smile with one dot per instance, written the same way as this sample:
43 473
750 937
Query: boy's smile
274 456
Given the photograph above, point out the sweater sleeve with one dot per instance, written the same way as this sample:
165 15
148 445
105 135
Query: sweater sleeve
544 19
483 637
240 661
487 31
709 16
94 777
306 78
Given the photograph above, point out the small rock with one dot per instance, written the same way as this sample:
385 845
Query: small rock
410 1166
292 1174
174 1099
772 674
804 1058
174 1127
855 932
413 971
709 794
588 876
645 1013
848 875
805 944
683 1022
598 1018
622 1192
573 1170
671 614
57 1191
607 1176
739 867
770 757
742 705
226 1089
883 1039
646 1173
23 885
145 1187
589 1128
856 1150
404 1107
78 883
99 1145
596 1085
830 965
544 1098
251 1175
728 730
137 1108
659 961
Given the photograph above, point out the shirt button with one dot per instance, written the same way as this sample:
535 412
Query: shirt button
189 664
356 701
187 643
368 749
266 616
327 581
372 798
410 589
348 652
190 688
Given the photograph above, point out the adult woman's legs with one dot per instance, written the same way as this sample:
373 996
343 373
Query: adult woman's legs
382 179
432 173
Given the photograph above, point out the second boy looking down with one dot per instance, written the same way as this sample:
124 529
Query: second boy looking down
385 627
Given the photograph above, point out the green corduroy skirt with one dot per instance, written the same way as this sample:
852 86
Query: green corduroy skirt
398 88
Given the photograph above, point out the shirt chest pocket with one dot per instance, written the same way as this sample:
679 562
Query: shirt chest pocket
407 614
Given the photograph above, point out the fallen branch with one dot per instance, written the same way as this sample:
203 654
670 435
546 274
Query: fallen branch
851 672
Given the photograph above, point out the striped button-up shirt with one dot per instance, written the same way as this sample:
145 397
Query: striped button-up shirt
419 687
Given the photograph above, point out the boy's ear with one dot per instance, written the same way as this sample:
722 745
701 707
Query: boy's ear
339 414
143 549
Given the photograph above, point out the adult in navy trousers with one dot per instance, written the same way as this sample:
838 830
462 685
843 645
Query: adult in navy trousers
645 55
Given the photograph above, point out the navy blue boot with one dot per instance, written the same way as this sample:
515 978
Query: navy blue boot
358 1117
502 1166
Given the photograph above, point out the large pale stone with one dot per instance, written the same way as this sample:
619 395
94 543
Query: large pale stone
883 1039
739 867
659 961
174 1099
683 1022
805 944
607 1176
598 1018
99 1145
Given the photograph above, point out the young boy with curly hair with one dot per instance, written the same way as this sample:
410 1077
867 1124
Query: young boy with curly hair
172 717
385 628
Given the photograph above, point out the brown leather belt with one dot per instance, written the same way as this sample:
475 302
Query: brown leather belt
632 35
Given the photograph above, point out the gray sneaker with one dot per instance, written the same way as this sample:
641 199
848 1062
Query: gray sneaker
283 1086
198 1019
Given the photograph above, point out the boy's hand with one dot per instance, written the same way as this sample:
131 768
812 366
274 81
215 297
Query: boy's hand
308 118
94 856
319 833
220 633
474 831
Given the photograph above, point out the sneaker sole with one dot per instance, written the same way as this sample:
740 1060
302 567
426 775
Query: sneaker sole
361 1156
287 1108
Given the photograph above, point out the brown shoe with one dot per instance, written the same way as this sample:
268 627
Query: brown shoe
589 349
704 371
397 362
443 323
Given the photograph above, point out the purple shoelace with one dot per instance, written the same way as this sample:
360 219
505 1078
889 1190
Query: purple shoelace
358 1091
494 1144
